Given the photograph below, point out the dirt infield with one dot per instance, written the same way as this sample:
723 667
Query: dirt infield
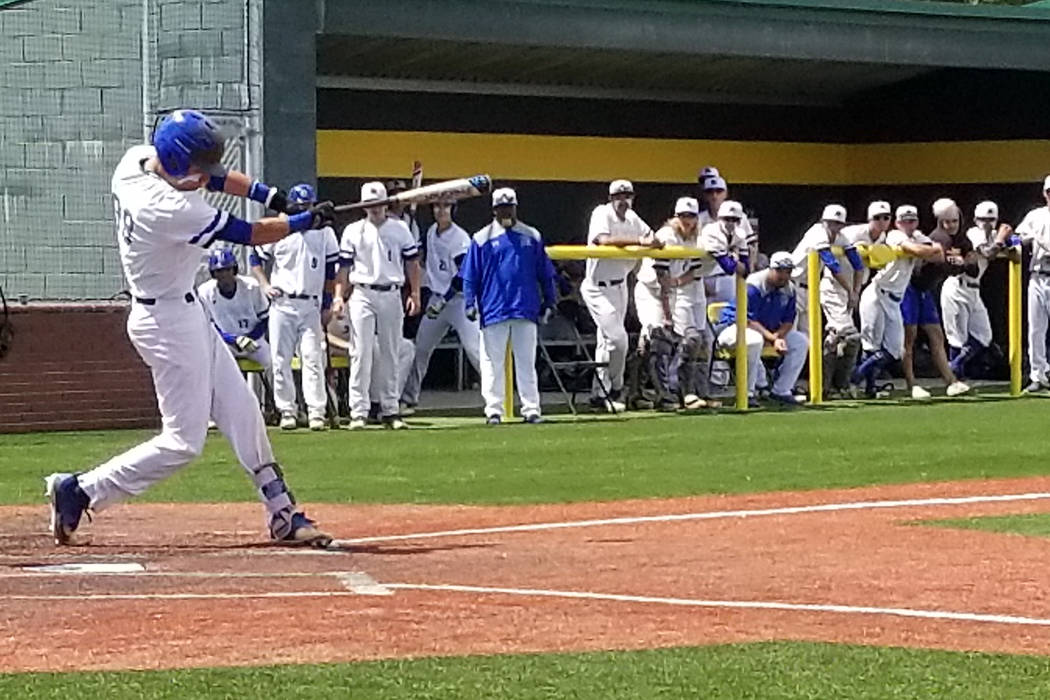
694 571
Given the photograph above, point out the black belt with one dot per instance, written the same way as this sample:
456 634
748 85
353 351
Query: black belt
896 297
150 301
972 285
1042 273
381 287
301 296
611 283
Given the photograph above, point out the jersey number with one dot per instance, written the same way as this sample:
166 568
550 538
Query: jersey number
124 222
442 266
242 323
313 263
389 255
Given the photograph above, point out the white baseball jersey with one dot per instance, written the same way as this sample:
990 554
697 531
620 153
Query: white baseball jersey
860 233
238 314
647 271
1036 228
408 220
979 239
748 232
896 275
816 238
162 232
377 255
442 250
605 221
716 242
299 261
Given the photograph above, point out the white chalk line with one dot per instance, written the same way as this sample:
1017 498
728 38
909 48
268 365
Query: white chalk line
944 615
709 515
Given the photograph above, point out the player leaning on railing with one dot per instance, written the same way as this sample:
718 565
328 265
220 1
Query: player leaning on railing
163 223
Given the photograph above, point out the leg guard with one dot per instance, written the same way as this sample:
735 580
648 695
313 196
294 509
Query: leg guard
846 359
636 363
663 364
960 357
277 497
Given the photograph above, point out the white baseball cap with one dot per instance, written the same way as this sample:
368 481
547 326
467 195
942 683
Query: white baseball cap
687 205
879 208
907 212
730 210
504 196
714 182
986 210
371 191
943 206
1046 183
781 260
620 187
708 171
834 212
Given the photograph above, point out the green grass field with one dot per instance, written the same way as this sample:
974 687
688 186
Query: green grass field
1032 524
460 461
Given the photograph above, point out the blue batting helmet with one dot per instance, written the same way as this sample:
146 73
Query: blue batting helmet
187 138
221 259
303 194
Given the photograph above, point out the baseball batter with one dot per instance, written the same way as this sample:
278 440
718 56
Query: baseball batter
447 246
375 255
300 290
881 323
163 226
237 308
604 289
966 323
1034 231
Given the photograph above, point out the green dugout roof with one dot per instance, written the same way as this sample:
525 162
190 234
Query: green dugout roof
806 52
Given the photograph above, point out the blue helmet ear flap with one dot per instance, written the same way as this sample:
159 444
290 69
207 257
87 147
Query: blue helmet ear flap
222 259
186 138
303 194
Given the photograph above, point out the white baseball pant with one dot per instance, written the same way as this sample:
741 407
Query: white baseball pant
375 334
689 309
608 307
1038 316
963 312
881 323
522 336
406 354
790 364
648 307
430 333
296 324
195 377
262 356
834 300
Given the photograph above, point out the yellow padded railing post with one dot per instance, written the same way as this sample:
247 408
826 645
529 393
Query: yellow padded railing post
508 381
1014 323
816 330
741 343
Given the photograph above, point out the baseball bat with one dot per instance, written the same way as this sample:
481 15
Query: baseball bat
463 188
417 182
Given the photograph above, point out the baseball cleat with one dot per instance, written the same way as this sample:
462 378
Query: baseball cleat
493 420
917 392
317 424
305 532
693 402
407 409
394 423
785 399
356 424
1034 387
68 504
532 418
957 388
288 422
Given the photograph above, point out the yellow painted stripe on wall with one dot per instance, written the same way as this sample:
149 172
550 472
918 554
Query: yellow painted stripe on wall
348 153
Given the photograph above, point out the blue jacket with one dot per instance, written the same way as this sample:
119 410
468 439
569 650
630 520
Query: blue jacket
506 272
771 306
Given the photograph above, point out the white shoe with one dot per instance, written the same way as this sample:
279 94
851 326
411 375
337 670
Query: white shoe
957 388
917 392
317 423
356 424
693 402
407 409
288 422
613 406
394 423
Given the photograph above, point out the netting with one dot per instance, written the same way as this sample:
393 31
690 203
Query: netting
80 82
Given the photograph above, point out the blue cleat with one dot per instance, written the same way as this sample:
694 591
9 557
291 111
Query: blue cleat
68 504
302 531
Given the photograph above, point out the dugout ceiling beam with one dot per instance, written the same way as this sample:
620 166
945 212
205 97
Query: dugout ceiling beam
911 34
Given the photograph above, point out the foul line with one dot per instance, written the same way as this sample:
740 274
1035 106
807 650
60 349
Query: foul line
986 618
710 515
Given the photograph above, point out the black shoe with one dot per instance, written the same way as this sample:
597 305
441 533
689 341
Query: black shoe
532 418
493 420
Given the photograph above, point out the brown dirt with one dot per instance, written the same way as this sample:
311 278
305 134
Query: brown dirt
864 557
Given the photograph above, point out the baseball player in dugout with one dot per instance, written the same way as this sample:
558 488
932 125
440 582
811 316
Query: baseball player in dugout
237 308
300 290
966 323
446 250
604 289
919 308
835 282
1034 232
163 225
377 255
508 282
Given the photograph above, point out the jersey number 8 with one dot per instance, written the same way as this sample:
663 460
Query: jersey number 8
123 220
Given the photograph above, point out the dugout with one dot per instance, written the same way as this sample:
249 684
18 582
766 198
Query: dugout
798 102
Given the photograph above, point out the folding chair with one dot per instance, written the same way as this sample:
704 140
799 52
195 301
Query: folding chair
576 371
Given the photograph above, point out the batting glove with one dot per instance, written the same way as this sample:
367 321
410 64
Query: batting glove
246 344
472 313
435 308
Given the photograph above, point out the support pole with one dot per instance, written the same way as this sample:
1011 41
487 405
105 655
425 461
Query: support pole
741 343
816 330
1014 323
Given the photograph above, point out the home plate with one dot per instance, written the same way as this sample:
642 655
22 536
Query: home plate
88 568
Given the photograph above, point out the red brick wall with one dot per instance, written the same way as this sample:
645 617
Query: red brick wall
72 367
